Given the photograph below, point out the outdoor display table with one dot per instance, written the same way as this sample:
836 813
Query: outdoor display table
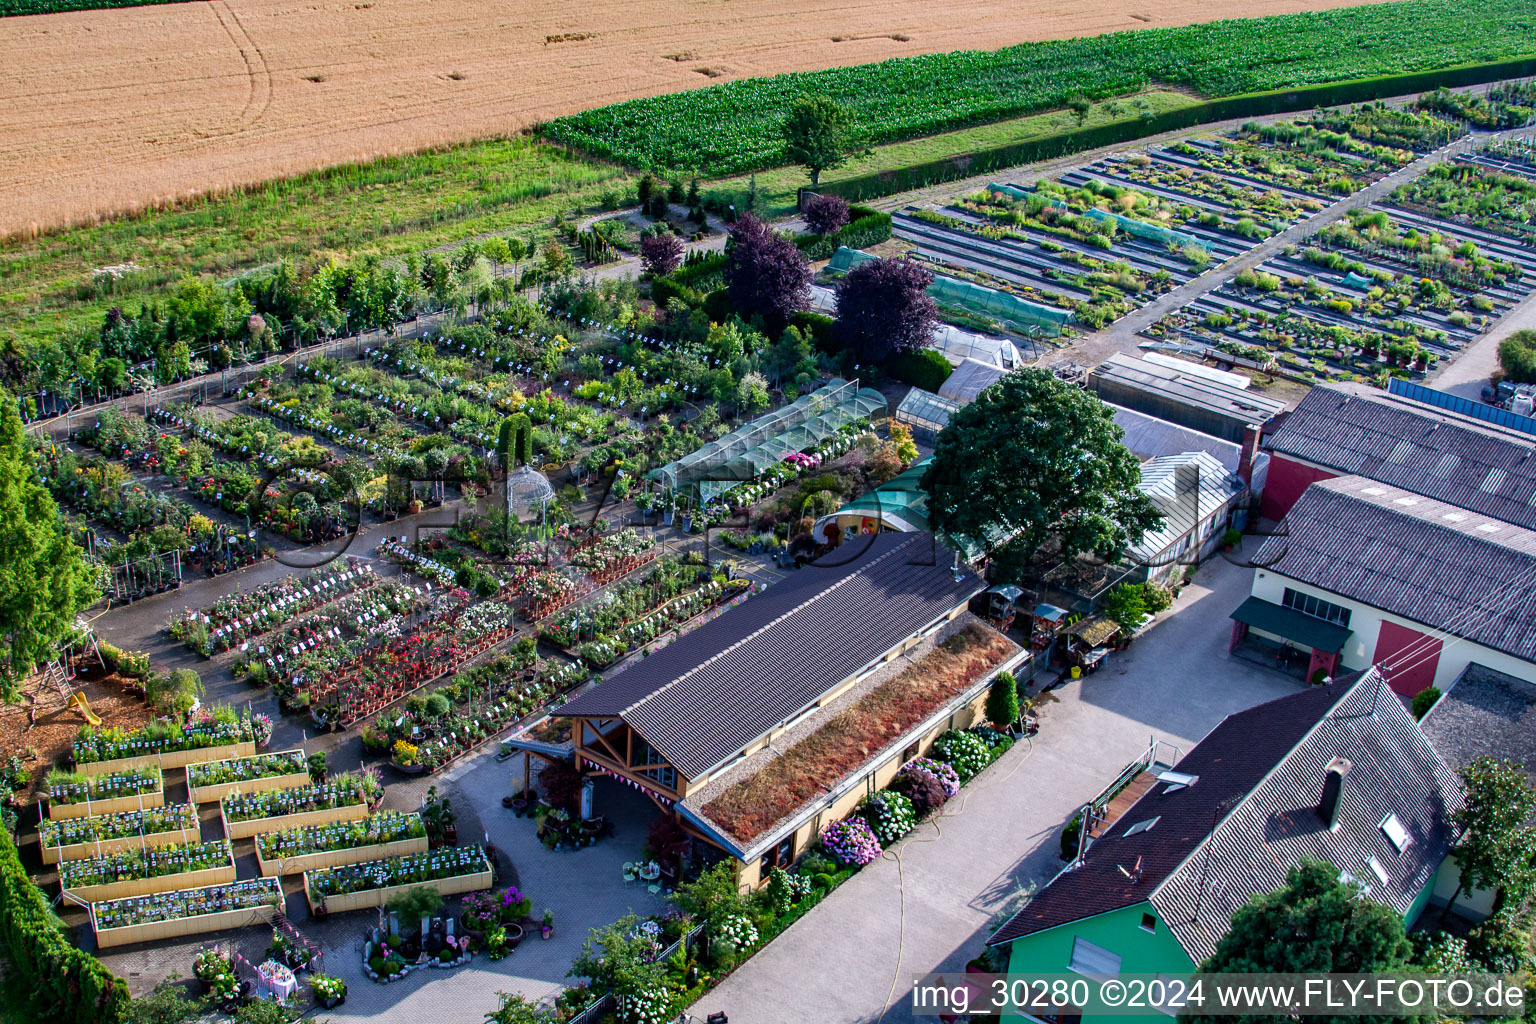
277 980
95 848
212 920
220 874
111 805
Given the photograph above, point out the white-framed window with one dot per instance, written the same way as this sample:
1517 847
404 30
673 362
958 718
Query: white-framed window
1396 834
1088 958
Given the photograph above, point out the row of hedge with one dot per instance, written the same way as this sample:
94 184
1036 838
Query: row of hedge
933 172
15 8
67 985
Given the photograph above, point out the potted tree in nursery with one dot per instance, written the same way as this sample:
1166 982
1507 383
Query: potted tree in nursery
437 813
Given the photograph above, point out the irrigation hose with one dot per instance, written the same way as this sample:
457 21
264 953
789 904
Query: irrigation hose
901 877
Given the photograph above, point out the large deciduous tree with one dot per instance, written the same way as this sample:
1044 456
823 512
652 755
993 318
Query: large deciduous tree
766 275
44 581
883 307
1036 459
1497 843
816 134
1316 923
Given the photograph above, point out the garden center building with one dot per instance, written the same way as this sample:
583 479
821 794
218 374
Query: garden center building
1365 574
1339 773
1340 429
703 721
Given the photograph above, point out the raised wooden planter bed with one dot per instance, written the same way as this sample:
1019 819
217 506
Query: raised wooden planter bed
332 858
170 758
364 898
252 826
214 792
85 809
154 931
56 854
222 875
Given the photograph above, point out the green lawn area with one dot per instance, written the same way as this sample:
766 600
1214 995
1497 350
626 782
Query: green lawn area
780 186
396 206
390 206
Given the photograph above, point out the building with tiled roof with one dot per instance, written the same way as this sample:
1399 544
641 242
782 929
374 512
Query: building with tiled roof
1363 573
1355 429
1339 773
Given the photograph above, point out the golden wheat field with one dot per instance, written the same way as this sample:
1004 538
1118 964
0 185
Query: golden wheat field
104 112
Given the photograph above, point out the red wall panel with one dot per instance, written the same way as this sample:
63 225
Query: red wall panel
1287 479
1414 657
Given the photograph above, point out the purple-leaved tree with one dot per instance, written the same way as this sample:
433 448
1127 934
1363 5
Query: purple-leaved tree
883 308
826 214
661 254
765 274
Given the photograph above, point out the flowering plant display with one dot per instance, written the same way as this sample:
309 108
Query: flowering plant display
444 862
376 829
964 751
247 769
322 641
850 842
735 933
638 611
74 788
327 987
235 618
614 555
339 791
481 910
547 591
118 825
171 906
205 729
890 815
217 971
944 773
148 862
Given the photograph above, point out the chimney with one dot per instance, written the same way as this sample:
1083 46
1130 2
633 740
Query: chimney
1249 453
1333 792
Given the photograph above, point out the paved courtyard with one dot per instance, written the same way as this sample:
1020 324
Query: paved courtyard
930 904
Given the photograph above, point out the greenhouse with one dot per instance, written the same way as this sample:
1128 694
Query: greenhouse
1026 317
970 379
749 450
926 413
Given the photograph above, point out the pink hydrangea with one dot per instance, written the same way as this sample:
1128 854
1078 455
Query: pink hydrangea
850 842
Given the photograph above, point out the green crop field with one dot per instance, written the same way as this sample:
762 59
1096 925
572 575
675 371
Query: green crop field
735 127
13 8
